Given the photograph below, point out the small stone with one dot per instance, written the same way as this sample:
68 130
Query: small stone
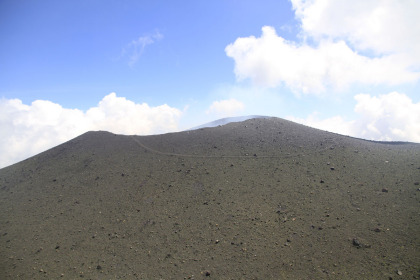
385 190
416 183
98 267
332 168
356 243
377 230
322 181
207 273
399 272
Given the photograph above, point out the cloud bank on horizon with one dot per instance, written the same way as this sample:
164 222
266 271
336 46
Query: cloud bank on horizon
29 129
340 46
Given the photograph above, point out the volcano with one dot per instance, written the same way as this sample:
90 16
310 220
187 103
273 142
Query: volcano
263 198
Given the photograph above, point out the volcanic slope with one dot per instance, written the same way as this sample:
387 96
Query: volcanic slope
259 199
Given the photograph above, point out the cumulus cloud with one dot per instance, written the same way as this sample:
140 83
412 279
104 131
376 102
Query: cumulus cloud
26 130
342 43
383 27
271 60
135 48
392 116
226 108
388 117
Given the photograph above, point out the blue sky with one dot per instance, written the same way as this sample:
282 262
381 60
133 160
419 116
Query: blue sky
58 50
146 67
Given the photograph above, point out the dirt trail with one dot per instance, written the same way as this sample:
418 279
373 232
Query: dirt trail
224 156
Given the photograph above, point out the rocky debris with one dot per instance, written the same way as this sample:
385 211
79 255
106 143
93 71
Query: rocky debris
358 243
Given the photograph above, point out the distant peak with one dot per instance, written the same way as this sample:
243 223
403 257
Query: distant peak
225 121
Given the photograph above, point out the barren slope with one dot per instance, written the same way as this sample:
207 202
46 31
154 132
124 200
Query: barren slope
260 199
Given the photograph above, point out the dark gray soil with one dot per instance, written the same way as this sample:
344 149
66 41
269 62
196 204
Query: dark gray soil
260 199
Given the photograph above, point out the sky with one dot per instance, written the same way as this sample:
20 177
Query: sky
148 67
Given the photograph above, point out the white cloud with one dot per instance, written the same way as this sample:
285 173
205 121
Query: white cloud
389 117
226 108
384 27
343 42
26 130
334 124
135 49
271 60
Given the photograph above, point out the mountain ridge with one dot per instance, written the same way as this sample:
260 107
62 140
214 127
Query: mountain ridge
263 198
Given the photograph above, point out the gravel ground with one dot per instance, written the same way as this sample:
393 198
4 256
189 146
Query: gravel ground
260 199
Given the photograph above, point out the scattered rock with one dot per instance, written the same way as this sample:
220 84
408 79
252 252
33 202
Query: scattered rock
399 272
385 190
356 243
359 244
98 267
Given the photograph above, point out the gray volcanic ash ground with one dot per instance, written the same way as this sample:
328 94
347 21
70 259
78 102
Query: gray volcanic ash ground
259 199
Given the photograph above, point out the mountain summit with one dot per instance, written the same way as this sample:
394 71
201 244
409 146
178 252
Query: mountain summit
225 121
260 199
